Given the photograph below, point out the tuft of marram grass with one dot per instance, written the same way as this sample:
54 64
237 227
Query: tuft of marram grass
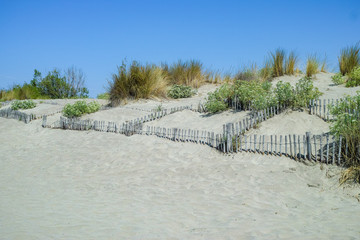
189 73
247 73
290 63
137 81
349 58
312 65
265 72
278 58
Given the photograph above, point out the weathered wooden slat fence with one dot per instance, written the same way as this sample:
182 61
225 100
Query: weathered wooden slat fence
14 114
322 107
323 148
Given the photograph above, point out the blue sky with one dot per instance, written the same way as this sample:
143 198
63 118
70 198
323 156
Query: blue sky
225 35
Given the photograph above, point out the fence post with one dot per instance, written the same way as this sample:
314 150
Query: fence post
308 145
44 121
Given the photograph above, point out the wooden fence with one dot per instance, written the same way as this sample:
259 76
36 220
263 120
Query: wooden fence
14 114
324 148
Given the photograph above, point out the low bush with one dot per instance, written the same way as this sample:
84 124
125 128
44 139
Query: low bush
259 95
27 104
347 125
353 78
305 91
284 93
80 108
217 101
338 79
180 91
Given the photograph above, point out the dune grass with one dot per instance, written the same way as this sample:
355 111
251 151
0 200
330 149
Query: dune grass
290 63
277 62
137 81
247 73
312 65
265 72
349 58
189 73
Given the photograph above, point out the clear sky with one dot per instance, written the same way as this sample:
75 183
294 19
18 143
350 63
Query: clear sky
225 35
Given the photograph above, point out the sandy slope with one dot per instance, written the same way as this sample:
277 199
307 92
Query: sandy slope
324 83
58 184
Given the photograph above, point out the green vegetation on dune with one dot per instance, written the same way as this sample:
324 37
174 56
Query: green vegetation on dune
80 108
27 104
54 85
260 95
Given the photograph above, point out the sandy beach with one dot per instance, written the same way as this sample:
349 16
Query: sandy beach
63 184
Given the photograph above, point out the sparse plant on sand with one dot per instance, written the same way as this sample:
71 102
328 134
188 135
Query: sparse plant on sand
27 104
80 108
247 73
349 58
180 91
353 77
338 79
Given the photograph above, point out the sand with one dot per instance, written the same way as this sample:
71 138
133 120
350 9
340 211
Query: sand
62 184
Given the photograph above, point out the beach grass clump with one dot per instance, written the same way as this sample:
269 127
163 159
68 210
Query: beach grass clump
247 73
347 125
277 62
338 79
27 104
80 108
190 73
349 58
312 65
266 72
290 63
181 91
137 81
353 77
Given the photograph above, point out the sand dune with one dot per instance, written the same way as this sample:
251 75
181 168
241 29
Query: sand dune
59 184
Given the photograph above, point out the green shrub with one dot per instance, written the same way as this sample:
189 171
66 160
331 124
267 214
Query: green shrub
338 79
180 91
105 96
349 58
284 93
217 101
305 91
27 104
80 108
347 125
353 78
